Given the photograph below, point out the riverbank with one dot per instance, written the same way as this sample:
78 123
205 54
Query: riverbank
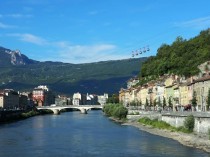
192 140
21 115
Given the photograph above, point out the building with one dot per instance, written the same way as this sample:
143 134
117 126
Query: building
42 96
62 100
77 97
201 87
9 99
132 82
91 99
102 99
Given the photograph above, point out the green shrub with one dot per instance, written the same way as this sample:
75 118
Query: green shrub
189 123
115 110
209 133
155 123
162 125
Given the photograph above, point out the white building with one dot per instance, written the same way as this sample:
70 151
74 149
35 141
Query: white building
9 99
77 99
102 99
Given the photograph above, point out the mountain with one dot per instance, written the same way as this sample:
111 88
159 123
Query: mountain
9 57
21 73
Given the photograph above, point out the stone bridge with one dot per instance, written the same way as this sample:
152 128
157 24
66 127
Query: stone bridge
82 108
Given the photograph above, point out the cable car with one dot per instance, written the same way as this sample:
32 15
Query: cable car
144 50
137 53
148 48
140 52
132 54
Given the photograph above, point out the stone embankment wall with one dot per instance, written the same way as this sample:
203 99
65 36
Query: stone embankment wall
134 115
202 120
176 119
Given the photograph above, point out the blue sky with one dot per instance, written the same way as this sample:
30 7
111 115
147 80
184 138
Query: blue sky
84 31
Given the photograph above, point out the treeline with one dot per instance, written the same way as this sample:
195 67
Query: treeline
115 110
181 57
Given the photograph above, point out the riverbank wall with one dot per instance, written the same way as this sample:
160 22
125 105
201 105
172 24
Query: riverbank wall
176 119
9 115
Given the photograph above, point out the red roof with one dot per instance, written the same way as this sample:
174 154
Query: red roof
205 78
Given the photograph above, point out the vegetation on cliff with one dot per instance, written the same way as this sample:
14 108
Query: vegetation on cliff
182 57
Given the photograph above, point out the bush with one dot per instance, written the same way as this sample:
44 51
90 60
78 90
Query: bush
155 123
189 123
115 110
209 133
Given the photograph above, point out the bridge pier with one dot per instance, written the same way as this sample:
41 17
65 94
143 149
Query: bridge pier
56 111
83 110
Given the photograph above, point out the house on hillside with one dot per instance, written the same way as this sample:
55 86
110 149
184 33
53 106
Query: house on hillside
201 87
132 82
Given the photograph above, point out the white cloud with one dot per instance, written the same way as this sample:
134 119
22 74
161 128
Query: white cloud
72 53
17 15
86 53
30 38
199 23
93 12
5 26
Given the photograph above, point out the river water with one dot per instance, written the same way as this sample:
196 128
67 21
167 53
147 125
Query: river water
72 134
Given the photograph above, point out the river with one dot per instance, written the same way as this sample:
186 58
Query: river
72 134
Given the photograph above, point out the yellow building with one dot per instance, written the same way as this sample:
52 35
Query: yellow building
184 98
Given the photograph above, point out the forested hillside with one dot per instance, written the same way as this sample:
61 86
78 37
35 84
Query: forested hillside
181 57
99 77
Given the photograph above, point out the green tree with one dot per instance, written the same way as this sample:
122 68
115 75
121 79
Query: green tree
164 102
189 123
170 103
114 99
147 103
150 103
194 100
154 102
115 110
208 100
159 102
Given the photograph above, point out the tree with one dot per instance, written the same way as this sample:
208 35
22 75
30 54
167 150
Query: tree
170 103
159 102
113 99
189 123
147 103
150 103
164 102
194 100
154 102
208 101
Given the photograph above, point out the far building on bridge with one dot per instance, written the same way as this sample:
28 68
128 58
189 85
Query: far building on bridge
62 100
42 96
89 99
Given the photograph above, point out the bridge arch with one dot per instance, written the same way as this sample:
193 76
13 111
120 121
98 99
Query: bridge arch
83 108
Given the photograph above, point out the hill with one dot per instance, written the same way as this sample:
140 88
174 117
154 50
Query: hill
98 77
182 57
